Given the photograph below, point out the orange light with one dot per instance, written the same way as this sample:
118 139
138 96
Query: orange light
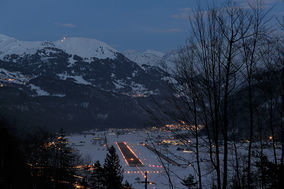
78 186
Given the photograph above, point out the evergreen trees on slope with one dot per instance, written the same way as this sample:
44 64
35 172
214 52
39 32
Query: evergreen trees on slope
113 170
14 173
97 178
110 175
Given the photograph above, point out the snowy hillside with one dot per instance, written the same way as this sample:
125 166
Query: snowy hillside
76 80
165 61
149 57
83 47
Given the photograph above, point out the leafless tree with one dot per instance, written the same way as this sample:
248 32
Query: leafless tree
209 70
249 46
281 62
226 48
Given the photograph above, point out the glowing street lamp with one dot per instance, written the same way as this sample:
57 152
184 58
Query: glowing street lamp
146 182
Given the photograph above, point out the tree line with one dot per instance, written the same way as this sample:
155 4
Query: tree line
41 160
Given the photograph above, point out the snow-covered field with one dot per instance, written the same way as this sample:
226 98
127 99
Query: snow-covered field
92 145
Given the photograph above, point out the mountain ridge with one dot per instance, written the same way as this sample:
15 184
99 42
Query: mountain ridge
84 47
72 91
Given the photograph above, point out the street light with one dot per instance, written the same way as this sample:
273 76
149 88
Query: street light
146 182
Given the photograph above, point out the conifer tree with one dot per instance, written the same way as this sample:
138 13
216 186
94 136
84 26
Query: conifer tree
126 185
97 178
113 170
64 159
14 172
189 182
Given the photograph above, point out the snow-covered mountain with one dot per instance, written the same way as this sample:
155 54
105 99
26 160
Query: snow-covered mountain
83 47
165 61
74 81
149 57
79 83
77 53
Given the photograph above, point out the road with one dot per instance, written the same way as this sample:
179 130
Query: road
129 155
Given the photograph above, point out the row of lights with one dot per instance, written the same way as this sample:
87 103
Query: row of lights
157 166
139 172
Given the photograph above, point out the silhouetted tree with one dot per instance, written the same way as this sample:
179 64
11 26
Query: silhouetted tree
14 173
126 185
189 182
97 178
52 160
113 171
63 162
269 173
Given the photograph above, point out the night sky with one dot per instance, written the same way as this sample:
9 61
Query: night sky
124 24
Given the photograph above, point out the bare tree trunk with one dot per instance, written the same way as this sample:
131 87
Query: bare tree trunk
197 145
249 181
281 52
261 158
225 126
216 41
272 130
282 115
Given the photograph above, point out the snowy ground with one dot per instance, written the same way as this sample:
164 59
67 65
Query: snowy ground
93 146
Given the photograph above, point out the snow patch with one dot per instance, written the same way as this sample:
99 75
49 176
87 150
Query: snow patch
137 87
77 79
71 61
38 90
119 84
59 95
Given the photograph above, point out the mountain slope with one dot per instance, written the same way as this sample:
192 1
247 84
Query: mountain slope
83 47
74 83
165 61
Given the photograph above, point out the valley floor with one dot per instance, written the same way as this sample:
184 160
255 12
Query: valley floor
157 159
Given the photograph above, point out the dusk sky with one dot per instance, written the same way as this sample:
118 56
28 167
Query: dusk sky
124 24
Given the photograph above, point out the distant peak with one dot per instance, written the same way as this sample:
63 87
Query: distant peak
84 47
158 53
149 51
149 57
5 37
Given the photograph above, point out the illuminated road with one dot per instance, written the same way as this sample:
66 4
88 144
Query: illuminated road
129 155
